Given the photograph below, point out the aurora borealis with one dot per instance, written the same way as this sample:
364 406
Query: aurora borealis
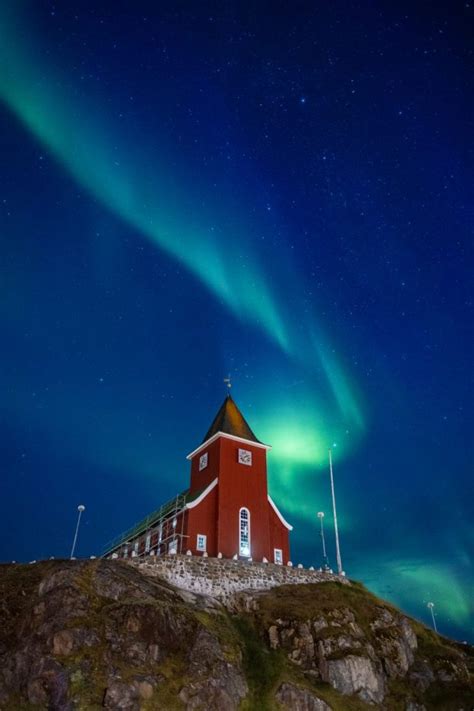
195 190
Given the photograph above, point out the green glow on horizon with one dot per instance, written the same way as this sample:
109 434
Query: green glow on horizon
425 581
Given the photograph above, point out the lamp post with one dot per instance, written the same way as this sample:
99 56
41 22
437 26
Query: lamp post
430 605
80 508
336 531
325 558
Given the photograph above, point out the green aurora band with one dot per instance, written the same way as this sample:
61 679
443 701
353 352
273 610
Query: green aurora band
85 141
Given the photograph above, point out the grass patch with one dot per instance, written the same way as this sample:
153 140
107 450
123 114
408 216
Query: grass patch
16 703
450 697
322 690
311 600
87 678
220 625
432 645
399 690
262 667
18 595
173 671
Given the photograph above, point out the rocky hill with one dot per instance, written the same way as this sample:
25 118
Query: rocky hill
101 634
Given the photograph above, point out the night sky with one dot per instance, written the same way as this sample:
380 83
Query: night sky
281 192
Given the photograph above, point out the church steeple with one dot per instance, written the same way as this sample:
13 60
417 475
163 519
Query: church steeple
227 510
230 420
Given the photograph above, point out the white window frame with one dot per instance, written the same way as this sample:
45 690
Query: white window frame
203 461
135 546
147 542
278 556
203 546
244 551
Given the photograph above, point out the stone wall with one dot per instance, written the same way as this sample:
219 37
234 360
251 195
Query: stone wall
222 578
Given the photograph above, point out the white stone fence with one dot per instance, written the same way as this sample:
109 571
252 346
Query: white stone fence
221 578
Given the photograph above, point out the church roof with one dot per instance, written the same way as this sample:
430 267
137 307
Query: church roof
230 420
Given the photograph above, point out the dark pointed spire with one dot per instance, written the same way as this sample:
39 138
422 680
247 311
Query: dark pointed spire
230 420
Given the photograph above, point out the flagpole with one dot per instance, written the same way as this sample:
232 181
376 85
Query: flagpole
336 531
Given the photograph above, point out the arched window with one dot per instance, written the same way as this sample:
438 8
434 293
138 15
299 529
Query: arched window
244 532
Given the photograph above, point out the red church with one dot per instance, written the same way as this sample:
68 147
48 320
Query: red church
227 510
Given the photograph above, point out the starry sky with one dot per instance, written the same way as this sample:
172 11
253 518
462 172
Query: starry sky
277 191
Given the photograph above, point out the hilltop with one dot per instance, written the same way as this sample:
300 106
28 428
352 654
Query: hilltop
101 634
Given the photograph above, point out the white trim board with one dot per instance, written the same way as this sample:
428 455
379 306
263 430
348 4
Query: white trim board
273 505
227 436
202 496
213 484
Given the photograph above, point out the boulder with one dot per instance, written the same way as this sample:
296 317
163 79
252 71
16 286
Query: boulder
121 697
273 637
355 675
216 683
294 698
63 643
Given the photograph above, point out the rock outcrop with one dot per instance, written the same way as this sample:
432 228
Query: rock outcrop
294 697
100 634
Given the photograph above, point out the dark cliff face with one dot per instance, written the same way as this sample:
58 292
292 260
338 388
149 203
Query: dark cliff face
99 634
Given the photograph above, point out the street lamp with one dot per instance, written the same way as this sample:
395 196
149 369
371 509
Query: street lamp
325 558
430 605
80 508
